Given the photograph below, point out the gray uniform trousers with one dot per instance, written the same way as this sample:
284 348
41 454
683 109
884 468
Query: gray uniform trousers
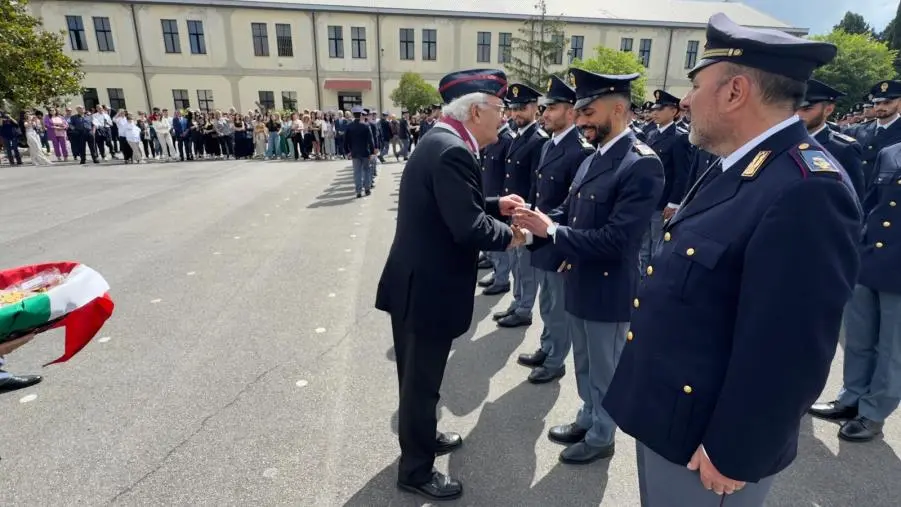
872 368
525 284
555 338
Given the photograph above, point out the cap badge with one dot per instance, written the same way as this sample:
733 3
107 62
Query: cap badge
550 82
883 87
515 91
572 80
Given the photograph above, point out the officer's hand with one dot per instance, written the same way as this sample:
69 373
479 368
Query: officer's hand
711 478
6 348
509 203
533 220
519 238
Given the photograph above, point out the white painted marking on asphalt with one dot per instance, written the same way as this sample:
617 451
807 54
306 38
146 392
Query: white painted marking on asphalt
270 473
191 273
155 301
353 235
341 269
331 294
320 330
103 339
356 223
237 237
217 253
27 398
266 214
347 250
301 383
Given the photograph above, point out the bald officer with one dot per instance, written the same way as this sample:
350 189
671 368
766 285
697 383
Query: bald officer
737 321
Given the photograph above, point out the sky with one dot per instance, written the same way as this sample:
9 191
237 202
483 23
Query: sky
821 15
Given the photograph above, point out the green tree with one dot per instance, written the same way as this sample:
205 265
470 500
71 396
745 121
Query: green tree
611 61
861 62
540 45
413 93
853 23
35 69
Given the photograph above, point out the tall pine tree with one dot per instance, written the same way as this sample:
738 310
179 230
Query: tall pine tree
541 44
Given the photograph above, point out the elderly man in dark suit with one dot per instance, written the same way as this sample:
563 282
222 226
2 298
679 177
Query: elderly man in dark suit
443 221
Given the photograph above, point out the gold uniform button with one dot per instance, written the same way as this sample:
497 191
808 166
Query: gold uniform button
690 252
539 176
864 162
629 336
591 197
870 147
508 175
880 244
886 224
574 220
506 190
899 182
635 303
537 194
892 203
606 273
687 389
804 146
650 270
569 267
579 195
509 160
667 237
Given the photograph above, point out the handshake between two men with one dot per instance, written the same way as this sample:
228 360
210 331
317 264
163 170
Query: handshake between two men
524 219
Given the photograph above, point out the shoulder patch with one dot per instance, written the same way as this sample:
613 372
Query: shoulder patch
844 137
750 172
542 133
818 162
643 149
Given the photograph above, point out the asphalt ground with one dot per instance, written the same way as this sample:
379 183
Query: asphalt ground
245 363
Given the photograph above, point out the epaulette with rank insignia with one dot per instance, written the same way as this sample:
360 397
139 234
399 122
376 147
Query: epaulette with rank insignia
844 137
643 149
542 133
815 161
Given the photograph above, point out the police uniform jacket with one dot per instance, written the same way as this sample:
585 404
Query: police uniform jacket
736 323
494 165
881 246
522 160
558 166
846 150
700 161
674 150
425 126
602 222
385 130
443 222
871 142
376 135
358 140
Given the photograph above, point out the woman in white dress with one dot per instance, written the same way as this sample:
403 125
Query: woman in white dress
38 155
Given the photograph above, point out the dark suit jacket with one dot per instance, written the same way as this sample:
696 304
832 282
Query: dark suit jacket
522 161
872 141
734 329
443 222
675 152
358 140
881 246
847 151
494 165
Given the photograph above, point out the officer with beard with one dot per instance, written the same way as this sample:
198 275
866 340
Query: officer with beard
885 131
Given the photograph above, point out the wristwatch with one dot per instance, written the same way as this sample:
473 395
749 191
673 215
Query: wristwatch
552 231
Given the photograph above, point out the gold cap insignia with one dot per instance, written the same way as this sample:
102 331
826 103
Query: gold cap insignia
572 80
515 91
883 87
550 82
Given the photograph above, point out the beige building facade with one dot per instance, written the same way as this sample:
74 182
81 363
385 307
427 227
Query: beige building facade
217 54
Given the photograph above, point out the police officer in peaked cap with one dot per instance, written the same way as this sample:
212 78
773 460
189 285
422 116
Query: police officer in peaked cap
873 136
736 322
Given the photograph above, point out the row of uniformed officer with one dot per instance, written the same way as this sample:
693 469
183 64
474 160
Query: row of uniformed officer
885 131
521 164
598 230
494 168
560 157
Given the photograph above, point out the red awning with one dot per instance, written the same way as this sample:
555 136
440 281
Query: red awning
348 84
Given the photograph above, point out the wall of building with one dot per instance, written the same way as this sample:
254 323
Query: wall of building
235 75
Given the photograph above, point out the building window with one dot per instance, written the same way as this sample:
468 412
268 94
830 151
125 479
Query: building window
358 42
691 54
77 38
267 99
336 42
625 44
558 42
284 43
504 47
104 34
483 47
429 44
205 100
170 36
260 39
195 37
644 52
576 47
407 44
289 101
116 98
180 100
348 100
90 99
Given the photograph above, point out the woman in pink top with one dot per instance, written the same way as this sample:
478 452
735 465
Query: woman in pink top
56 132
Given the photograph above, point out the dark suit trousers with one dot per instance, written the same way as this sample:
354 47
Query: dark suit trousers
420 368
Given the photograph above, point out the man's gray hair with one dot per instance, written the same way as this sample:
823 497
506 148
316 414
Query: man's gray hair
460 108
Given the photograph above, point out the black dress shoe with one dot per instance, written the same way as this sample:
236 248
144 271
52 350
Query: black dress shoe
439 488
497 289
832 411
533 360
487 280
567 434
860 429
583 454
542 375
17 382
501 315
485 264
514 320
447 443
